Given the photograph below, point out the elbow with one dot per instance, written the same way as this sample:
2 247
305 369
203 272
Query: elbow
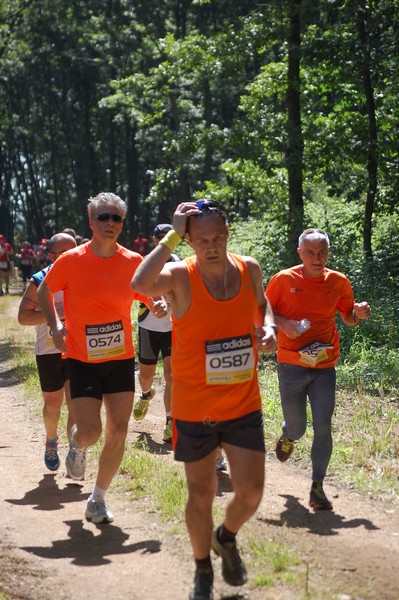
139 286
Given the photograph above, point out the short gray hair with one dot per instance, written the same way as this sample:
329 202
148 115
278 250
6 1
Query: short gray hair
313 235
106 198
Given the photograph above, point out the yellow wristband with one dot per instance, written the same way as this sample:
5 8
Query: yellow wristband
171 239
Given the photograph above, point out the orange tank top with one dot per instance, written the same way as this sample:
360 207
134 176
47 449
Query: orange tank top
214 361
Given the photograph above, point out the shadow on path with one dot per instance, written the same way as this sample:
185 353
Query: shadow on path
224 484
87 549
48 496
149 443
321 522
9 376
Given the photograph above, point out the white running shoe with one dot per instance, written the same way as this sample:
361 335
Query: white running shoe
98 512
221 464
75 461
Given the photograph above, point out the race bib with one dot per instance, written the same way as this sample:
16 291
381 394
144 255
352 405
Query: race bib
314 353
230 360
3 264
105 341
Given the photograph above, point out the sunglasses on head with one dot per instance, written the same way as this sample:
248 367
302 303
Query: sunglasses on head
207 206
107 216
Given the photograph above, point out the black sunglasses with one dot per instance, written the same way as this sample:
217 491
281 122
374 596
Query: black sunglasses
108 216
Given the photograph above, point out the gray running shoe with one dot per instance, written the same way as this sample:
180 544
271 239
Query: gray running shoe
233 568
98 512
221 464
75 461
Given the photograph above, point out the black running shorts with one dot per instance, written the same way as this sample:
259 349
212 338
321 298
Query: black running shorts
53 371
151 343
193 440
93 380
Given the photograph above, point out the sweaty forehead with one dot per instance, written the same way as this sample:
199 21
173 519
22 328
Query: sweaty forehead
314 245
207 223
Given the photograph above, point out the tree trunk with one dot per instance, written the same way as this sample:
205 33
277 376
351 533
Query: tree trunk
132 176
372 154
294 155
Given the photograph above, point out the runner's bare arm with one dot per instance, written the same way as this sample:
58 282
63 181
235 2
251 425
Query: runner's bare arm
28 311
46 303
267 338
360 312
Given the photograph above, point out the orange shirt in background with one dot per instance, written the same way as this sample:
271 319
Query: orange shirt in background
294 296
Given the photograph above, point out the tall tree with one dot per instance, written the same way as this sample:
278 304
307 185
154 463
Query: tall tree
372 142
294 125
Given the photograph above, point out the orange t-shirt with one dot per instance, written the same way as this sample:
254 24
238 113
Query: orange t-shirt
213 354
97 301
294 296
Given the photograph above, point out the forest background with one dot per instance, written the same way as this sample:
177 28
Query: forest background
285 111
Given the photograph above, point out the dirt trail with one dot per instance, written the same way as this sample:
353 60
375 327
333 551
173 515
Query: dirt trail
48 550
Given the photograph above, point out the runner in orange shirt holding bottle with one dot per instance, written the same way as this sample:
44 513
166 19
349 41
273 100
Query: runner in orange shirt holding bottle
97 337
305 300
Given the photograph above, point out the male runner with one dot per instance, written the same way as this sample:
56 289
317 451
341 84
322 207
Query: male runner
155 337
306 357
97 336
52 368
221 319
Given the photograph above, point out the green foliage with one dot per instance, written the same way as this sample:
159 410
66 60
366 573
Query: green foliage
261 239
160 103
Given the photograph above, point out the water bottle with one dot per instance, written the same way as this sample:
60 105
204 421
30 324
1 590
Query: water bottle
302 326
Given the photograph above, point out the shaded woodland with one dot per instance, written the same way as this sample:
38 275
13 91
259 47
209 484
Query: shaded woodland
266 106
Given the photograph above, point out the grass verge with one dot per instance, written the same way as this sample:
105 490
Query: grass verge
365 436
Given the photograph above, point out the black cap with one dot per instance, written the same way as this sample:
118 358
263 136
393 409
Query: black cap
162 228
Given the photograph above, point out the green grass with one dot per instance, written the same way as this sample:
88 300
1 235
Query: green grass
365 436
152 480
3 596
275 564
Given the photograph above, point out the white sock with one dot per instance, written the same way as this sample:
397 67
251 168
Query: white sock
98 494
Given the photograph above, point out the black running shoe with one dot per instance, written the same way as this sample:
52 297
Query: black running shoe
203 585
233 568
318 500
